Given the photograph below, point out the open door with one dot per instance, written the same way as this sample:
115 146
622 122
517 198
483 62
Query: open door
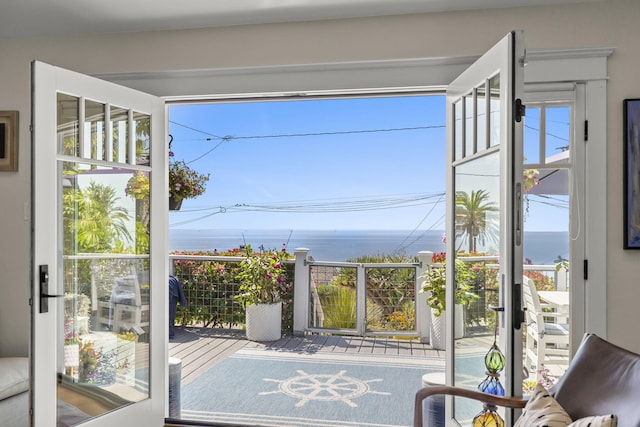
484 220
99 252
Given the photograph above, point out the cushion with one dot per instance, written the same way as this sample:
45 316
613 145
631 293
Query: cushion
601 379
598 421
542 410
14 376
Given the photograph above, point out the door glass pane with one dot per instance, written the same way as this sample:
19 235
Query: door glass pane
481 105
477 239
494 115
141 132
94 143
119 134
546 249
68 118
458 130
469 128
556 130
104 347
532 131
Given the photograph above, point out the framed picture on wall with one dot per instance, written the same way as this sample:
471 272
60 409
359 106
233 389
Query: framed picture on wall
8 140
632 173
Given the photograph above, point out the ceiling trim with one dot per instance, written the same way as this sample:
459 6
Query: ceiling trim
351 77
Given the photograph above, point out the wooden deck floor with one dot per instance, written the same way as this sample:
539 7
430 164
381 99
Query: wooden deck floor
201 348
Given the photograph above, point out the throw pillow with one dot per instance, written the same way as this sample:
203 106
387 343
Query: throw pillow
542 410
14 376
598 421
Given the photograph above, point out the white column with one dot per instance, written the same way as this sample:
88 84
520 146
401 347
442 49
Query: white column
301 292
423 317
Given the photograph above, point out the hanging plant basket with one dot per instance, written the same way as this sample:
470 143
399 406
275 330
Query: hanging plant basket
174 204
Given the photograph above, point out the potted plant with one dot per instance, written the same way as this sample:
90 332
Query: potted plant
184 183
435 286
97 364
262 277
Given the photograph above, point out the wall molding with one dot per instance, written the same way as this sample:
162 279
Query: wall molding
349 77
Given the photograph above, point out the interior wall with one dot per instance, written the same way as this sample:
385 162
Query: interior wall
608 23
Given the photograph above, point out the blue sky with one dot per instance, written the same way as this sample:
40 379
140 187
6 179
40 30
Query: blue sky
365 163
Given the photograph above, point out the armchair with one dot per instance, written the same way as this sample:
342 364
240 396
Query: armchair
601 379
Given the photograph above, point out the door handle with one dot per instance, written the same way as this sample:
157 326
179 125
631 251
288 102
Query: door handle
43 278
518 312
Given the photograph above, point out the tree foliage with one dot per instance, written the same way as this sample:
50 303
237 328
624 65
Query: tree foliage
474 220
94 218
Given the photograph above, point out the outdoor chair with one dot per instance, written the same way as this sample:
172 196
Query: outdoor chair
601 379
545 338
127 308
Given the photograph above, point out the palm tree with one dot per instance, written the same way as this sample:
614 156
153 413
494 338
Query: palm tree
473 219
102 222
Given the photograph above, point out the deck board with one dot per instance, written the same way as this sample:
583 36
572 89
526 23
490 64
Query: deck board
201 348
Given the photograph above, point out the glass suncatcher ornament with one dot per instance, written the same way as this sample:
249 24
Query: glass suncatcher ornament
494 361
488 418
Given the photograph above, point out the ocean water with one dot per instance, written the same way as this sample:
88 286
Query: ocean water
342 245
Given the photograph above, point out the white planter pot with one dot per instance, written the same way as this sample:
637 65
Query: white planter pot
71 356
72 360
264 322
459 321
438 329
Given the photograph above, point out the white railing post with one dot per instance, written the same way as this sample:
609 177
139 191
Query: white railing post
423 315
301 292
562 281
361 299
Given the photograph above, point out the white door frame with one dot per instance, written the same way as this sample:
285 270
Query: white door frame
544 67
585 67
47 80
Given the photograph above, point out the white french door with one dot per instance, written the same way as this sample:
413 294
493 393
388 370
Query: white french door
99 252
484 188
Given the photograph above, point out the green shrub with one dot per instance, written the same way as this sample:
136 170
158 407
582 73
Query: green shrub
339 308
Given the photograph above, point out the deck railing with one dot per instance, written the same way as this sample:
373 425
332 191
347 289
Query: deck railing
342 297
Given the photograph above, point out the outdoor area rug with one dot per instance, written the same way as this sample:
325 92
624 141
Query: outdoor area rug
276 388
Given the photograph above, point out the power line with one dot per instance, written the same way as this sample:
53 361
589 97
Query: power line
229 138
345 132
562 138
306 134
324 205
400 245
195 130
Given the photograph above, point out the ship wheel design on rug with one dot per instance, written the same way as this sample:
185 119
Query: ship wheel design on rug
324 387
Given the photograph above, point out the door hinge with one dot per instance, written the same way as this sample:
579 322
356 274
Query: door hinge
520 110
586 130
585 268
